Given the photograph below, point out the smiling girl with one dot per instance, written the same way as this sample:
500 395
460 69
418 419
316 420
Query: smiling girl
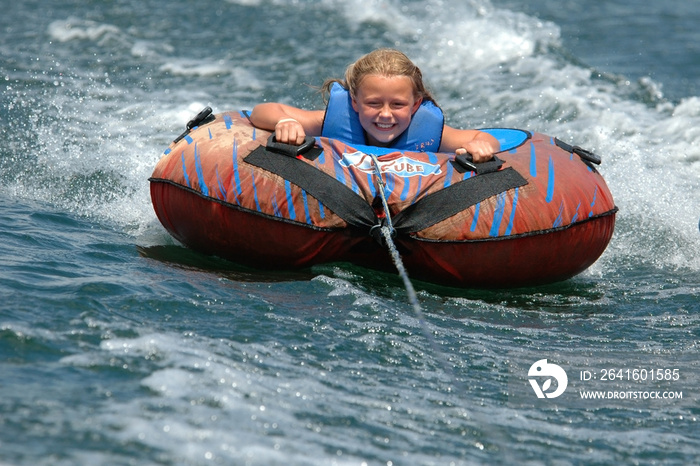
382 102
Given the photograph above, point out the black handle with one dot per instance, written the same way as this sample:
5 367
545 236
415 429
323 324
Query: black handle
466 161
586 155
204 115
290 150
200 117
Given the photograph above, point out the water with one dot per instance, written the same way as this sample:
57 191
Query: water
118 346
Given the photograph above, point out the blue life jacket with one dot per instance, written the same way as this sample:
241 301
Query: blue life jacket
342 122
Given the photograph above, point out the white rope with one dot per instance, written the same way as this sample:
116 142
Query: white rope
387 231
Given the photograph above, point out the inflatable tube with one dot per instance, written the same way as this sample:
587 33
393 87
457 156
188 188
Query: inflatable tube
539 213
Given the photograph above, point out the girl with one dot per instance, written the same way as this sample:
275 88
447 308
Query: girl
383 91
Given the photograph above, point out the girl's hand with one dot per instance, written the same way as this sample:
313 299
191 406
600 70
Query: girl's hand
289 131
481 151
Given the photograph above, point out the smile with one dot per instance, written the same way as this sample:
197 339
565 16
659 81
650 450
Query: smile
385 126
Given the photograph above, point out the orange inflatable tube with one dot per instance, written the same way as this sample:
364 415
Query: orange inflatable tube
539 213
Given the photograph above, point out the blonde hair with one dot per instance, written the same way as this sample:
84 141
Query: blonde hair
382 62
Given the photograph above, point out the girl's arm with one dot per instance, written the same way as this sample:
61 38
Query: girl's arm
480 145
290 124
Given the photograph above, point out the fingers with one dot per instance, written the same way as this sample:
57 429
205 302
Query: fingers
478 158
481 151
289 131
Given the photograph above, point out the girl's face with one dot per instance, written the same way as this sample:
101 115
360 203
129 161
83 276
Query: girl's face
385 106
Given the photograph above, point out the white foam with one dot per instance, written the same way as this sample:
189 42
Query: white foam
196 68
77 29
149 49
245 2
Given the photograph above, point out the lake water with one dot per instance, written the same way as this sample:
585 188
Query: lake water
119 346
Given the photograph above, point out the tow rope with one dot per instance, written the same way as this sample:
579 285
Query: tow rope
385 233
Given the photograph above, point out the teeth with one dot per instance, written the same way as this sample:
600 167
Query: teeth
384 125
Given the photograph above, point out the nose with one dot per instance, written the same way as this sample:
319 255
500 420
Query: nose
385 111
